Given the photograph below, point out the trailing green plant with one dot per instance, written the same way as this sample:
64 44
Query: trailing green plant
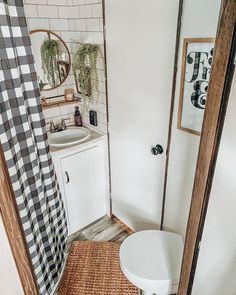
85 68
49 57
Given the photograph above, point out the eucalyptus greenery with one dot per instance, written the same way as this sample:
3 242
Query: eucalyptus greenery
49 57
85 68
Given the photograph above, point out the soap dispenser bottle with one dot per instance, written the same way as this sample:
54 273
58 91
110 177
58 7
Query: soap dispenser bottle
78 117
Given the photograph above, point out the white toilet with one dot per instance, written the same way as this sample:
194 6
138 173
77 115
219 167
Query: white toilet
151 260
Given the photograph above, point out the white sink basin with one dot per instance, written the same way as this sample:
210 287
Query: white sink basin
72 135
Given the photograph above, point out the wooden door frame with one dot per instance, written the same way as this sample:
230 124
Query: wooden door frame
14 231
217 101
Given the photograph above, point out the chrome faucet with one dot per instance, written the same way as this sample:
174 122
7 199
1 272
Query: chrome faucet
63 124
59 127
52 127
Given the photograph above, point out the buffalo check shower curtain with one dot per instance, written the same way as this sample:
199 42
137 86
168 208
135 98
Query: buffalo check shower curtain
24 141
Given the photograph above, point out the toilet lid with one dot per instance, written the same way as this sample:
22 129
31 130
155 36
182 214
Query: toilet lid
152 258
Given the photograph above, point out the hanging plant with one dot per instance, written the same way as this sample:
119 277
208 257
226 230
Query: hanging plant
49 57
85 68
85 81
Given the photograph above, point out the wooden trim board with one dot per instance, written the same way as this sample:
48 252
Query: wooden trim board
123 225
14 231
218 94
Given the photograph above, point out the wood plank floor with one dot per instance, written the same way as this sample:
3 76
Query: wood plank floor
105 229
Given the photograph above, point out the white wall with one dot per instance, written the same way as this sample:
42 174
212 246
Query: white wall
216 267
9 278
199 20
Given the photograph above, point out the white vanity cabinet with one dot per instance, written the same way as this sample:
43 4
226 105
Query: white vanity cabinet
82 178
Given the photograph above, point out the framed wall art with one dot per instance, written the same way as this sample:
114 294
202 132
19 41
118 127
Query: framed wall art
196 69
63 70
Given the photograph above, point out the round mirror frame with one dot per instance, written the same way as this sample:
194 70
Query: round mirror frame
63 42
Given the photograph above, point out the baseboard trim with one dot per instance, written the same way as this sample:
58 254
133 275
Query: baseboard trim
122 224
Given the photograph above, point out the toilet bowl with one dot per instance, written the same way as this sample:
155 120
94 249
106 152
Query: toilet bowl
151 260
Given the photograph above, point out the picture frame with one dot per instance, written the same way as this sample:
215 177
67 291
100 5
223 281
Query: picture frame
63 69
196 67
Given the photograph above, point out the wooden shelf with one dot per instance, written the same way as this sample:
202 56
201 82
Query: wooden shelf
58 103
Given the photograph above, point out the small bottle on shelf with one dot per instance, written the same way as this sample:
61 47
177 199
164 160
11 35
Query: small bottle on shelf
78 117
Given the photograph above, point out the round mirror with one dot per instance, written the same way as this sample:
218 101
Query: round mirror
52 59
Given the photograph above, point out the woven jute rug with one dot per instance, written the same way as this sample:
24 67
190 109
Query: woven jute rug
94 268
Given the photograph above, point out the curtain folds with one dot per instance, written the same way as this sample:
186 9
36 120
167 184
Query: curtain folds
24 140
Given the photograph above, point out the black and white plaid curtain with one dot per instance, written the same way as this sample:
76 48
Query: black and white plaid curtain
24 141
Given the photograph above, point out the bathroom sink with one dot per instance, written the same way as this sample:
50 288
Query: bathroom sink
72 135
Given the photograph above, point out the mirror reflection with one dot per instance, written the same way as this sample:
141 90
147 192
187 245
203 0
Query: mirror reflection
52 59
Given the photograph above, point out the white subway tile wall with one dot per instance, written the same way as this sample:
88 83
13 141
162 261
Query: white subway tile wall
74 21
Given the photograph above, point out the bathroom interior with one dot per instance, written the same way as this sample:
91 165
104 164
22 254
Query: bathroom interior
102 105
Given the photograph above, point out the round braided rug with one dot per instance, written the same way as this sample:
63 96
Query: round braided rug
94 268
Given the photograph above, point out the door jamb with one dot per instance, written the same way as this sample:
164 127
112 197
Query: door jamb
172 105
107 109
14 231
217 101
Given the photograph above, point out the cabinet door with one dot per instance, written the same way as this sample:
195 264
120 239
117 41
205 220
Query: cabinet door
84 187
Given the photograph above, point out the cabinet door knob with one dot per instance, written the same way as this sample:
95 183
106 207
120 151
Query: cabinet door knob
67 177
